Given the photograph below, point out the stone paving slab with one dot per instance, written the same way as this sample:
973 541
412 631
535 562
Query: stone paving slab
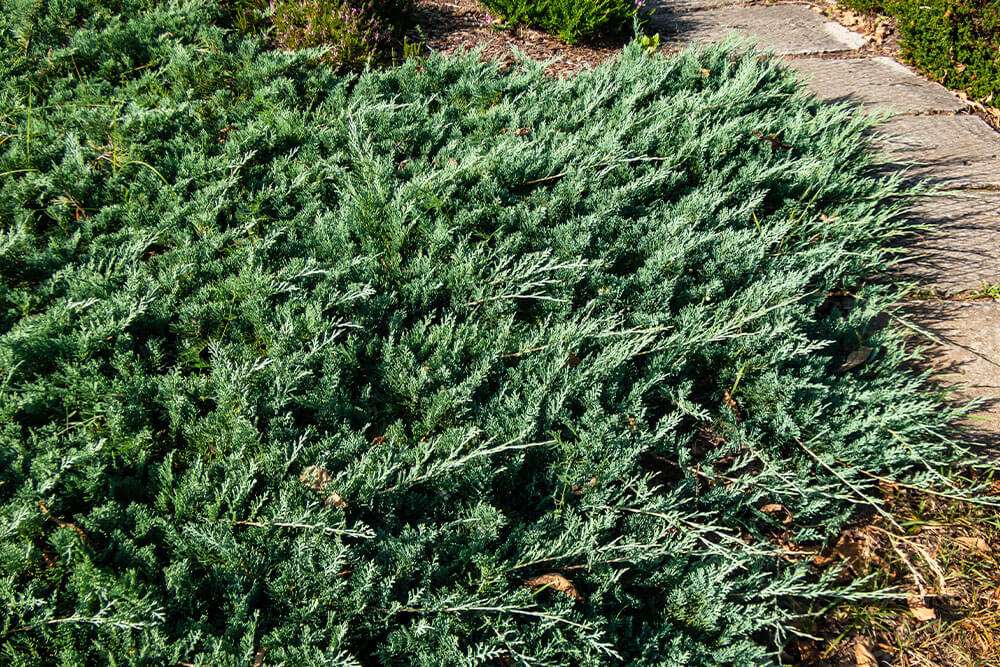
682 6
787 29
949 151
960 252
968 353
875 82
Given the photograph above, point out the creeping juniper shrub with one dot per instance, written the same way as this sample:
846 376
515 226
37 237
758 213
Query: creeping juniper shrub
571 20
308 369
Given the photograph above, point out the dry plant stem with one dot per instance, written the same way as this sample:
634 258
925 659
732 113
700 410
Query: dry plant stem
930 492
325 529
931 562
868 501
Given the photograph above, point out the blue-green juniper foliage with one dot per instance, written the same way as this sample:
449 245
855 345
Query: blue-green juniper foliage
318 370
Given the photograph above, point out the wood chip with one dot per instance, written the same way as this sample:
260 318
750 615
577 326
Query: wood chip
450 25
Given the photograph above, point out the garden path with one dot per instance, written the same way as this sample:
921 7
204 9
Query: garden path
957 258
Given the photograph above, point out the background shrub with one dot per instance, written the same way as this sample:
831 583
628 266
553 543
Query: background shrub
302 368
956 42
355 31
571 20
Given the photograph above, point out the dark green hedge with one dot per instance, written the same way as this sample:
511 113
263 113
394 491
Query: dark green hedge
446 364
956 42
571 20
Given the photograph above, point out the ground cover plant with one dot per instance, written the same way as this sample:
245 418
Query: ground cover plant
571 20
451 363
354 32
956 42
350 34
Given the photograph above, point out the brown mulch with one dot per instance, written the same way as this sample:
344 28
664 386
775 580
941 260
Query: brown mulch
447 26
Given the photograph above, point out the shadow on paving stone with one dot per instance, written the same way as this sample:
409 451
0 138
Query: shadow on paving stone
958 249
962 349
875 83
946 151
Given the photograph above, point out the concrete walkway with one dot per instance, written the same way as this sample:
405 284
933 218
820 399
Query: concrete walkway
960 251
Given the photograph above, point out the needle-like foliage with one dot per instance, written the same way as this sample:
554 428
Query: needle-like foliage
445 364
571 20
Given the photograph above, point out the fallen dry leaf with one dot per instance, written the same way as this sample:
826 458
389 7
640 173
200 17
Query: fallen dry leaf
776 142
919 611
775 508
809 652
317 478
335 500
977 543
730 403
66 524
852 546
556 582
863 655
856 358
